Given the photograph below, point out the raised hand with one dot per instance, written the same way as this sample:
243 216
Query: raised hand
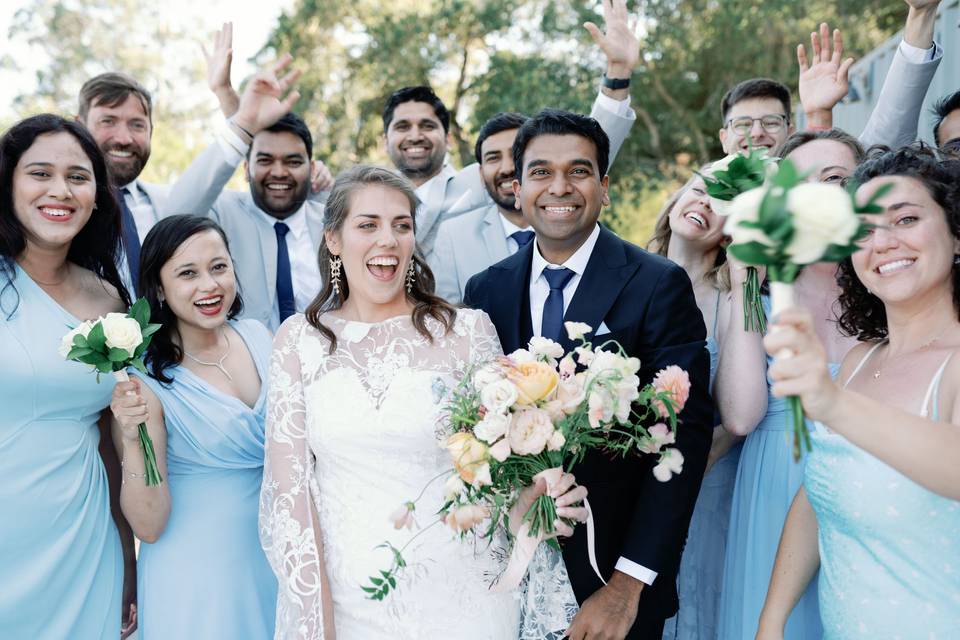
219 61
267 97
320 177
825 82
922 4
618 40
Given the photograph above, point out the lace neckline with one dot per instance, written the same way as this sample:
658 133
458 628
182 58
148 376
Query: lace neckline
366 324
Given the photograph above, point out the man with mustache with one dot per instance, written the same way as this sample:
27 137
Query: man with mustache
468 244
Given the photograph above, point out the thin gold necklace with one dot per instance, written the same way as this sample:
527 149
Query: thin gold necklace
219 363
925 345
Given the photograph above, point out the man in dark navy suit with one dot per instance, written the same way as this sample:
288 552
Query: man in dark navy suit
577 270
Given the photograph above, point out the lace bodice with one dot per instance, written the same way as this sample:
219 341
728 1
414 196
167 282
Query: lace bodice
351 436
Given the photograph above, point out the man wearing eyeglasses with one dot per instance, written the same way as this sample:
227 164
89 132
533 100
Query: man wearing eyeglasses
755 112
946 129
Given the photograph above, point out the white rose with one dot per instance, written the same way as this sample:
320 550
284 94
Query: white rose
576 330
493 426
487 375
66 345
530 431
122 332
501 451
746 208
522 356
720 207
499 396
822 215
545 349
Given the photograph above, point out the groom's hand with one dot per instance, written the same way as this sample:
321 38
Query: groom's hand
609 613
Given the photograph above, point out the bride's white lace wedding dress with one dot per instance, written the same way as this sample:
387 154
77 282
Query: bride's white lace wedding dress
350 437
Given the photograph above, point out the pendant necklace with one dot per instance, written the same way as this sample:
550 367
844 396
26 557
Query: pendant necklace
219 363
925 345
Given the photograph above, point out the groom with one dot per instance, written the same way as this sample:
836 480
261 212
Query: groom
577 270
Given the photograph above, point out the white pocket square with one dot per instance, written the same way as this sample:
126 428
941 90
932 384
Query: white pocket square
602 330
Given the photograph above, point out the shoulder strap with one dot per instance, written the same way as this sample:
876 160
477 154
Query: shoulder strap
931 398
863 361
716 315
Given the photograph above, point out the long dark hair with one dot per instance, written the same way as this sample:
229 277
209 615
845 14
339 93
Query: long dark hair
97 245
863 314
160 244
335 214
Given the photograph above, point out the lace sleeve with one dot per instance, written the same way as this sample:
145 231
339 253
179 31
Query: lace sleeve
484 343
287 513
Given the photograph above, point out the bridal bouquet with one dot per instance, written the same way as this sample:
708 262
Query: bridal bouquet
727 179
110 344
789 223
530 416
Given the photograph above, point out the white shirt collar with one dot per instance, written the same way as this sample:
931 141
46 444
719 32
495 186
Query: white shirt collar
446 172
296 222
576 263
508 227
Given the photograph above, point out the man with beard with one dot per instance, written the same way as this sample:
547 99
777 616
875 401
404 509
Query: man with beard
275 229
118 111
416 125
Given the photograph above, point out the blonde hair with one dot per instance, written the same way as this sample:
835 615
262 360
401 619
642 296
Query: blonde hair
659 243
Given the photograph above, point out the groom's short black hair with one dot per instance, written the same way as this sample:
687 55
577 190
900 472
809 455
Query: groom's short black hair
563 123
291 123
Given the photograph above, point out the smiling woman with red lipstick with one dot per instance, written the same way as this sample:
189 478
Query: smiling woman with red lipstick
881 490
60 553
202 571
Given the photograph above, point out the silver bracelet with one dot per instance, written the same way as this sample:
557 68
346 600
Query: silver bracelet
124 473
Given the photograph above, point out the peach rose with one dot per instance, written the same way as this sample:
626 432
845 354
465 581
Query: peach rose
469 457
462 519
676 382
534 381
530 431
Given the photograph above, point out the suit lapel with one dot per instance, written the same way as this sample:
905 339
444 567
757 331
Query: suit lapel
606 274
510 304
268 249
493 238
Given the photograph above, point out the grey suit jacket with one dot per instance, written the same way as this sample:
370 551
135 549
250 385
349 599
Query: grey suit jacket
253 241
893 122
464 247
456 193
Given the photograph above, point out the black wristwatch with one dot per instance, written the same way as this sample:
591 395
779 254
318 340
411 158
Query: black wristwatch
615 83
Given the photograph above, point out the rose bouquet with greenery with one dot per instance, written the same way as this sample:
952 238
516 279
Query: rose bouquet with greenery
531 416
725 180
111 344
789 223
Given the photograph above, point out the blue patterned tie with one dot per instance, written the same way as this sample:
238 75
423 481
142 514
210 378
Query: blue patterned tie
522 238
285 300
552 324
130 238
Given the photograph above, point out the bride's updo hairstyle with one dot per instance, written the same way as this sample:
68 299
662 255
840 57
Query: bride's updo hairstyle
337 209
862 314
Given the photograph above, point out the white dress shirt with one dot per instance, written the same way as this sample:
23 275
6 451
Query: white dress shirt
304 268
539 290
916 55
509 229
143 211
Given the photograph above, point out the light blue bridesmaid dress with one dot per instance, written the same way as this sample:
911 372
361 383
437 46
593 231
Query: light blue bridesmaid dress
61 570
207 576
889 548
701 567
767 482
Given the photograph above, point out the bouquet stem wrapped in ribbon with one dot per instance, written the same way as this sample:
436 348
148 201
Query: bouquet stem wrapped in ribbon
111 344
726 179
532 415
789 223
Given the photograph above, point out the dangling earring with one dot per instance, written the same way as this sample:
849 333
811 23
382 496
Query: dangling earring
411 276
335 263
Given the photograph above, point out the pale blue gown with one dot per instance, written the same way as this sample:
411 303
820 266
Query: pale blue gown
889 548
61 570
207 575
701 567
767 482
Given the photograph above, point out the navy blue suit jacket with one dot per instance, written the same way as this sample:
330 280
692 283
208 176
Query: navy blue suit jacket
647 302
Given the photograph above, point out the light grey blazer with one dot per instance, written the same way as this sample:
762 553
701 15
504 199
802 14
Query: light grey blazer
253 241
466 244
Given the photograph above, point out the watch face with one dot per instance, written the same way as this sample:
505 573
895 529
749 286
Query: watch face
615 83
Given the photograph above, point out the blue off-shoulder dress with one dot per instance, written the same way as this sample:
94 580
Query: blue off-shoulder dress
207 575
61 569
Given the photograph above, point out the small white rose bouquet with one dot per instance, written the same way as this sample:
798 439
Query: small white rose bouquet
110 344
530 416
726 179
789 223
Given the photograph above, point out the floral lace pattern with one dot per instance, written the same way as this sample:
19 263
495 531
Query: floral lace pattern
350 436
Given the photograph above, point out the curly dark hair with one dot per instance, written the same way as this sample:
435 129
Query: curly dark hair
863 314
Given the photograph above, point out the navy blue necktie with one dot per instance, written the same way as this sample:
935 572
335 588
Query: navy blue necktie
130 238
552 324
522 238
285 300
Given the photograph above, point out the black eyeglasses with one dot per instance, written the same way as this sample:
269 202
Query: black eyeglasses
771 123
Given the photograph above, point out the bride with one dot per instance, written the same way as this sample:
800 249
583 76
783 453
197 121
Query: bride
357 386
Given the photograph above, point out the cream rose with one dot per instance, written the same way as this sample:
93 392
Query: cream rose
501 450
66 345
499 396
822 215
487 375
545 349
522 356
534 381
530 431
570 394
492 427
121 332
746 208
